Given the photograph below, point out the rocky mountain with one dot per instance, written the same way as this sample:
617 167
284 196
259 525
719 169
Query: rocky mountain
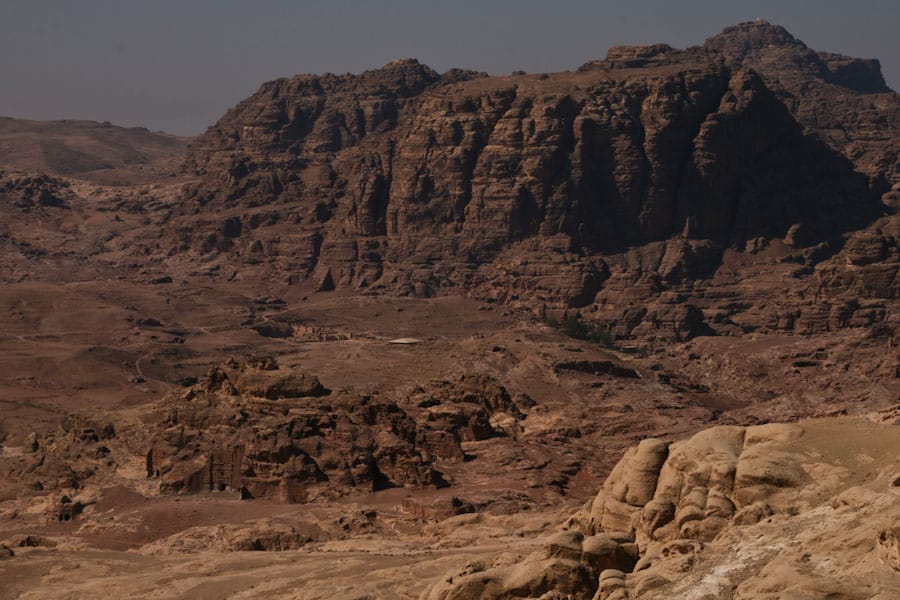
656 175
844 101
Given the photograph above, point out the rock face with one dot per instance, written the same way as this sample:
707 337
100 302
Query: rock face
630 179
840 99
693 492
255 429
733 512
258 430
32 190
471 409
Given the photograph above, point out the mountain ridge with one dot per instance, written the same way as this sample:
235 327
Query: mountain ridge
535 189
89 150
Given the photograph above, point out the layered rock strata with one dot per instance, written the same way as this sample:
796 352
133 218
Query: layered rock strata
632 190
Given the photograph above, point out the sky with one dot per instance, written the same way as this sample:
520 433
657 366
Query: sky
177 66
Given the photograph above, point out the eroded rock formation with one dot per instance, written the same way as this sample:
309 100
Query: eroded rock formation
257 429
733 512
632 190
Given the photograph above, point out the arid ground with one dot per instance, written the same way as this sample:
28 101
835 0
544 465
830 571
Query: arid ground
623 332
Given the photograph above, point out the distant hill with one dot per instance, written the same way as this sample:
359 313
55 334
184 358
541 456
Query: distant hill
97 152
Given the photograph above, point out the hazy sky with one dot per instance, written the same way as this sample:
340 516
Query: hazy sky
178 65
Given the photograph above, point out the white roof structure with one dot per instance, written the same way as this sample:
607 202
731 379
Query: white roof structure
407 341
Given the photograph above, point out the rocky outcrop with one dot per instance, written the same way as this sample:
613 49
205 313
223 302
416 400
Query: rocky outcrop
470 409
694 489
867 268
733 510
257 429
60 461
28 191
269 432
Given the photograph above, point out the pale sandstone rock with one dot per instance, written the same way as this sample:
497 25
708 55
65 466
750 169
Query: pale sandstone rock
745 511
889 547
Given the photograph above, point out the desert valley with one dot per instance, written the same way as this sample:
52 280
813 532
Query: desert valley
628 331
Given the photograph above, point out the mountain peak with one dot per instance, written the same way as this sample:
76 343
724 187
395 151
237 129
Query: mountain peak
751 35
772 48
405 76
399 63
